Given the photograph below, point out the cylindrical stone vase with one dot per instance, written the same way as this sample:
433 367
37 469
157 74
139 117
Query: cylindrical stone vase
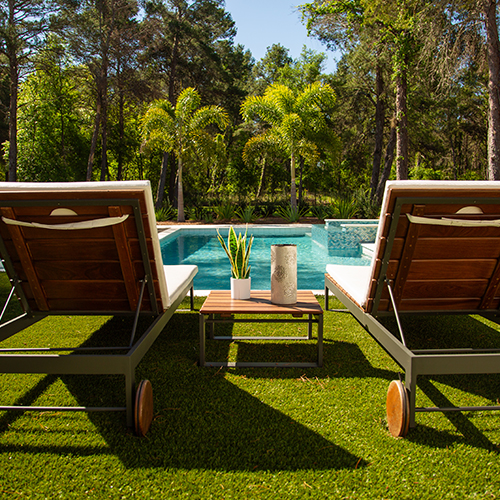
284 274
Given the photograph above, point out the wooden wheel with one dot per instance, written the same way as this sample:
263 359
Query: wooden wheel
398 409
143 413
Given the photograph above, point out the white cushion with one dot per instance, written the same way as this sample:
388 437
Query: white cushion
354 280
177 278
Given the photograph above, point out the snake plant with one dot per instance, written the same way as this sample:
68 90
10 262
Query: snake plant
238 251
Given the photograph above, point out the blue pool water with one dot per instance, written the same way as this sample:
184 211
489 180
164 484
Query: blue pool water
201 247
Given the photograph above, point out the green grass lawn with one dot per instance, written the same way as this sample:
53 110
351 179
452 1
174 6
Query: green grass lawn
249 433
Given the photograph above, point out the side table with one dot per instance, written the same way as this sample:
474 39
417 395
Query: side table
219 303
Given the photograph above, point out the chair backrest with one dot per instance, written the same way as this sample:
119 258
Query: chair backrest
439 244
82 248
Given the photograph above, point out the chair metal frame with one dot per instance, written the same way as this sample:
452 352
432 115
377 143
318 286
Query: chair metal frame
108 362
419 361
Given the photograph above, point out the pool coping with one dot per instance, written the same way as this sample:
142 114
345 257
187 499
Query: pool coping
165 231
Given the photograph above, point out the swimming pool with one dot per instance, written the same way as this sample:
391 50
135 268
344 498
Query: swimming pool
314 250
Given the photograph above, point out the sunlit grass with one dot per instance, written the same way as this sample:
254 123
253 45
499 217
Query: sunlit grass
248 433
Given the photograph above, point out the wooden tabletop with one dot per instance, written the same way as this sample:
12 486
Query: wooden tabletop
220 302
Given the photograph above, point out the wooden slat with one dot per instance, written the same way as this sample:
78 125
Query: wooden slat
457 248
79 289
220 302
440 269
27 262
106 306
79 250
79 270
131 282
444 289
458 304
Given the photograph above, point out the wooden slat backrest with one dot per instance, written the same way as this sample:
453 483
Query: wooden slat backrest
438 268
96 270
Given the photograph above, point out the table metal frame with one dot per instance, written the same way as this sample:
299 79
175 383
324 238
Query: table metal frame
228 317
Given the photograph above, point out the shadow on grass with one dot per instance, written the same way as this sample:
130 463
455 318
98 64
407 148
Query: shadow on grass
453 332
463 424
202 421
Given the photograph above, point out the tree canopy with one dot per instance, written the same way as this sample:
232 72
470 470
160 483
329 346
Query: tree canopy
414 95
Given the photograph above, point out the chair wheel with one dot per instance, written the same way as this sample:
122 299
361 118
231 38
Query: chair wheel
398 409
143 413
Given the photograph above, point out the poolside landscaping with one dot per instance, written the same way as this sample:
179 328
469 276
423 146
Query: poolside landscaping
249 433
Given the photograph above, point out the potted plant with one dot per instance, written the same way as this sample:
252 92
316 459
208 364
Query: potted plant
238 250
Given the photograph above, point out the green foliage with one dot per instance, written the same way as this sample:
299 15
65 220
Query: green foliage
165 213
297 121
238 251
366 206
51 128
322 211
183 129
345 208
291 214
203 213
224 212
247 214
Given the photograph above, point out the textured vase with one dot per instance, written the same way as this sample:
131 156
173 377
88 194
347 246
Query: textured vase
240 288
284 274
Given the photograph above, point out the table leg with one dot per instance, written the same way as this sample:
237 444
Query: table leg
212 326
320 339
202 340
310 327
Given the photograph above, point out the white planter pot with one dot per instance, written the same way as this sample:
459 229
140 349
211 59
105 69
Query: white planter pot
240 288
284 274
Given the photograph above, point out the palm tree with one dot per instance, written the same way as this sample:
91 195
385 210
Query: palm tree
181 129
293 119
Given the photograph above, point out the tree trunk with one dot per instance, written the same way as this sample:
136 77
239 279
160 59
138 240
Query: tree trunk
172 181
300 179
14 89
173 70
389 158
180 193
93 144
121 133
104 117
163 179
293 187
261 180
402 126
493 91
379 130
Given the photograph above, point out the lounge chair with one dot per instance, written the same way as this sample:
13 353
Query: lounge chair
437 252
87 249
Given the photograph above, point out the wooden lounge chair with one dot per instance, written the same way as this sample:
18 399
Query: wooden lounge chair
437 252
87 249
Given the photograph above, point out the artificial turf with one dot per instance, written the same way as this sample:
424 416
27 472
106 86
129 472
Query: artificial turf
249 433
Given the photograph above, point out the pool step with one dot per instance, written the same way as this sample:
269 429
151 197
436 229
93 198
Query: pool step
367 249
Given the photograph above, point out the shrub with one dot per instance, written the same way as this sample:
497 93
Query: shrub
291 214
246 214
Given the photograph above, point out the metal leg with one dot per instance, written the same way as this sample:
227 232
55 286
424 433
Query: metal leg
212 326
310 327
411 386
326 298
202 340
320 339
191 296
130 396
